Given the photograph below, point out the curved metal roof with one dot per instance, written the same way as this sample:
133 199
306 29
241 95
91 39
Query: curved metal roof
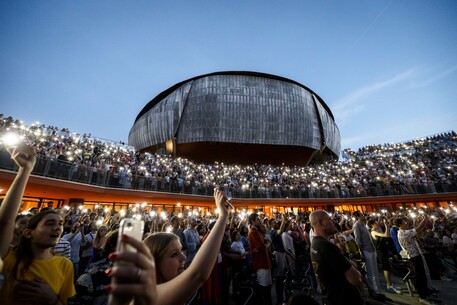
237 107
165 93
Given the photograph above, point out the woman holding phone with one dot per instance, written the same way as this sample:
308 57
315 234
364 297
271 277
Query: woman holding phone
174 284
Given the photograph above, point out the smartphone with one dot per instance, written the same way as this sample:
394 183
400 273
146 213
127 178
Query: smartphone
229 204
133 228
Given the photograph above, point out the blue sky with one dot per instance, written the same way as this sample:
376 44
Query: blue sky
387 69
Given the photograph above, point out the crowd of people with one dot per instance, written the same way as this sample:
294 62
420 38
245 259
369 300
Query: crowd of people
419 166
196 258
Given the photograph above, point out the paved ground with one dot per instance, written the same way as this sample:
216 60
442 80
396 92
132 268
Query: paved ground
447 294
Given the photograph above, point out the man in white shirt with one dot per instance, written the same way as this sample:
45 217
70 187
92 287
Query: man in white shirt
407 239
76 240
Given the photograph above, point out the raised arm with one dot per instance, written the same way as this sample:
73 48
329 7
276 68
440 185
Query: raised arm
422 223
182 287
24 157
283 224
386 233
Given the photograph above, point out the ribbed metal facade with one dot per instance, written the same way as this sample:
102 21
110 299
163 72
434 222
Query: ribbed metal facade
237 107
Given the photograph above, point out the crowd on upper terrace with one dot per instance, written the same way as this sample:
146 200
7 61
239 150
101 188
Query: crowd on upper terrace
412 167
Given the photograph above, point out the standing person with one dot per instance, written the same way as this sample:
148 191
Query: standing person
99 239
174 284
383 242
177 230
76 239
63 248
280 257
87 251
34 274
407 238
288 243
394 234
338 277
193 241
367 252
260 259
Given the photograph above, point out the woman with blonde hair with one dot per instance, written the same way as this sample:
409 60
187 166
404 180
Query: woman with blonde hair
160 257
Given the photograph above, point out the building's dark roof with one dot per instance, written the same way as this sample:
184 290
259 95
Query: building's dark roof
237 107
165 93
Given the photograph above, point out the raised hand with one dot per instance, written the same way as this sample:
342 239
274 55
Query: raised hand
220 198
134 275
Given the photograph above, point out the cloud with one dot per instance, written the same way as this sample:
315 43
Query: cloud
435 77
347 106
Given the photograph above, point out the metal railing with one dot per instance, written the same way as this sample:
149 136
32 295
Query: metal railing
54 168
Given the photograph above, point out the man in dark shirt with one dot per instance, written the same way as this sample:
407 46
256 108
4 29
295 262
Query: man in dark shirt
337 276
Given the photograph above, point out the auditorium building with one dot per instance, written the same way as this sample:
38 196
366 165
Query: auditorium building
238 118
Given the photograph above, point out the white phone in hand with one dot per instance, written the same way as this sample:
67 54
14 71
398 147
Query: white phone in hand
133 228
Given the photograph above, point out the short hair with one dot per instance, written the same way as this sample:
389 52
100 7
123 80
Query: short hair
357 214
253 217
315 217
398 221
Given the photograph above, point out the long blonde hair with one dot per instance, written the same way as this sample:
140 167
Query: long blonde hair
157 244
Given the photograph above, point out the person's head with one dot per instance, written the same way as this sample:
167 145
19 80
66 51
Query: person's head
93 227
33 211
244 231
402 222
86 220
236 236
174 221
273 224
371 224
322 223
192 223
109 243
75 227
42 232
254 220
167 251
44 228
101 231
21 223
359 216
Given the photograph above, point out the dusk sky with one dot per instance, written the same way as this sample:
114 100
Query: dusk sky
387 69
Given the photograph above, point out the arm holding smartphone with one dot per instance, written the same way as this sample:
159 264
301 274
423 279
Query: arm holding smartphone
139 281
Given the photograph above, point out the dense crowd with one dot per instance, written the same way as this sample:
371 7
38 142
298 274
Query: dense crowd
419 166
204 253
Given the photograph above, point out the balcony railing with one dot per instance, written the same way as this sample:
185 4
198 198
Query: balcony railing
53 168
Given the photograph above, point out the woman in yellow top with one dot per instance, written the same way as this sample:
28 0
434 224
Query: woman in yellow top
34 274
